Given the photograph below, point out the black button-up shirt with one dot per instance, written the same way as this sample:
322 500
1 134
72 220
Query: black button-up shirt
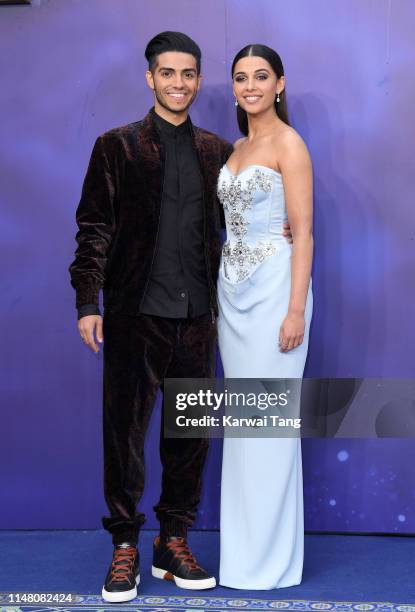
178 285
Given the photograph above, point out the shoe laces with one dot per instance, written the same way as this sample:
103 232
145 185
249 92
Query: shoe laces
122 563
180 549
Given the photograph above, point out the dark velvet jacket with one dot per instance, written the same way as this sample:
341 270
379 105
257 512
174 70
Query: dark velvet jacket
119 212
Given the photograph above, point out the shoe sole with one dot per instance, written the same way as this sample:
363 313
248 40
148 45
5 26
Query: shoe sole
120 596
205 583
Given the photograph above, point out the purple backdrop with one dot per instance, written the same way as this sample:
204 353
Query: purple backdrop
71 70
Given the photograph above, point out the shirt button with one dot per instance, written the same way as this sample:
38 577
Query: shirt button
182 295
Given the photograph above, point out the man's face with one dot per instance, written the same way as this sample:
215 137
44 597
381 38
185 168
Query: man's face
174 80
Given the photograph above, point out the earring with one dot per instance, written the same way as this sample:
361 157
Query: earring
236 103
278 97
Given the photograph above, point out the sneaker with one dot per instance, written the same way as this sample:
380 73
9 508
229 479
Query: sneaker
123 575
173 560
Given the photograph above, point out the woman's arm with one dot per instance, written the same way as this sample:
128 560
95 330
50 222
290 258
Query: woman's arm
296 169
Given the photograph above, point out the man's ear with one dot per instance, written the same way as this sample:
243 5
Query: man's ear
199 81
150 79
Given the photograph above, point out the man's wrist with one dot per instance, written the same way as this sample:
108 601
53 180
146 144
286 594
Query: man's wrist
88 309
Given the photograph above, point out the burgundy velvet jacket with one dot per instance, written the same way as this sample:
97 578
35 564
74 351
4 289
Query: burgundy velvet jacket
119 212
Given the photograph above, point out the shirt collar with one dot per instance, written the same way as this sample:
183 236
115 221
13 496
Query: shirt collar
166 128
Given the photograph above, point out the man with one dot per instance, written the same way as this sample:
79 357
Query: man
149 236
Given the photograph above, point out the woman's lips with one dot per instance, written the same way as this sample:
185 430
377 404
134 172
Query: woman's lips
252 99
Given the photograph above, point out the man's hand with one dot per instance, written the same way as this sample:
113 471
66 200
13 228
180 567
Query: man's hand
286 232
90 327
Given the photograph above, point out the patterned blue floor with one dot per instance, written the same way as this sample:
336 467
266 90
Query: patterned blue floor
94 603
341 573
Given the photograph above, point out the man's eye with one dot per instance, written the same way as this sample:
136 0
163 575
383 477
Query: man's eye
165 73
189 75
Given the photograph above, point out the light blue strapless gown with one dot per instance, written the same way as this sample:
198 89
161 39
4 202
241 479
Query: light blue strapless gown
262 525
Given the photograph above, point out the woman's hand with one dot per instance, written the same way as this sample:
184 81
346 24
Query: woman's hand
291 332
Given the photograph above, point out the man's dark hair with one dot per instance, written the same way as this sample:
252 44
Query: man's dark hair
171 41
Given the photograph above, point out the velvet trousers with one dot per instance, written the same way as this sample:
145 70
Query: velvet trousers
139 352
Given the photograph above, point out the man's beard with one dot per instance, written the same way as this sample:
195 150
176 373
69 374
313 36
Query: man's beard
162 103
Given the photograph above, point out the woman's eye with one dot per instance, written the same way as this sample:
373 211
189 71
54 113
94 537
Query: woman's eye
262 77
238 79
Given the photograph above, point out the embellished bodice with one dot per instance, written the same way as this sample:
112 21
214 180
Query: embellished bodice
254 206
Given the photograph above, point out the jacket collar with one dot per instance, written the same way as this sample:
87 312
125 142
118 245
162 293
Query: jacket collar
150 136
151 131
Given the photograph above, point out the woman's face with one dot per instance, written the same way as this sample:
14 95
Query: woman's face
255 84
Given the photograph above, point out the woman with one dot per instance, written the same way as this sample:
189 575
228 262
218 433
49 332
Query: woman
265 307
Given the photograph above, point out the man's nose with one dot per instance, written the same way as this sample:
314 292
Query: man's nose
178 81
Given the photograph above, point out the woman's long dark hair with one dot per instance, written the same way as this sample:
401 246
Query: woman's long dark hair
275 62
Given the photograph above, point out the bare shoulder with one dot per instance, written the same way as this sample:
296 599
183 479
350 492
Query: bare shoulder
290 142
291 150
238 142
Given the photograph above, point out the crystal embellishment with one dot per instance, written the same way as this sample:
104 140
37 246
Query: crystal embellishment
239 225
243 257
239 257
233 196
